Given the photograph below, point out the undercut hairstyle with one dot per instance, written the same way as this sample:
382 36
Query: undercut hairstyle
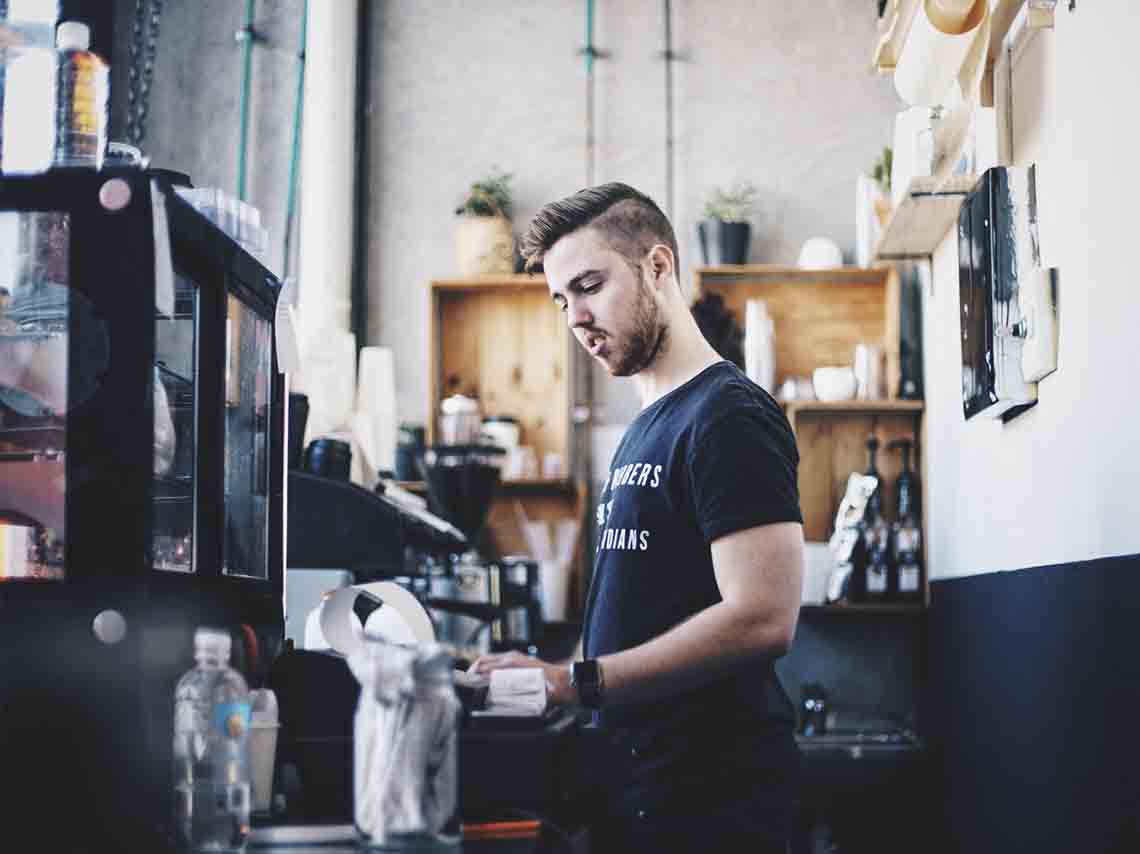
629 221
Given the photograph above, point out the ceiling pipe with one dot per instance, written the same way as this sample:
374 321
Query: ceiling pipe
328 167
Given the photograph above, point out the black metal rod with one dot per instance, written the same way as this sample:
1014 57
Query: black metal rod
360 192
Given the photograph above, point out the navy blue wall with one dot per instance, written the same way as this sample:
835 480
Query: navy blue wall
1035 708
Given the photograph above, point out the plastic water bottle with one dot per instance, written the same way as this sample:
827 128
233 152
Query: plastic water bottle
82 90
211 752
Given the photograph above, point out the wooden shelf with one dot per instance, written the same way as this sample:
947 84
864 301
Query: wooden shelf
793 407
892 32
509 282
773 273
921 221
536 486
895 23
887 609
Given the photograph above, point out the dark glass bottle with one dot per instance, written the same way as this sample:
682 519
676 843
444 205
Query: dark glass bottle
907 533
877 584
875 502
869 533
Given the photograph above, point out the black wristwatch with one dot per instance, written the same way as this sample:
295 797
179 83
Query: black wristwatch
586 679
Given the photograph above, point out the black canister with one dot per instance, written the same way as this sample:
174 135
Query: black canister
409 449
329 458
298 418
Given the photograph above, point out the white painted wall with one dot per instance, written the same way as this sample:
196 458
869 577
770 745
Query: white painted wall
1058 483
777 93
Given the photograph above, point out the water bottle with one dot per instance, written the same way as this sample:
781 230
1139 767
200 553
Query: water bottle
211 760
82 90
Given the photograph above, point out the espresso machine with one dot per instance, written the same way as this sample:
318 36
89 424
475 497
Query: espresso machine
142 469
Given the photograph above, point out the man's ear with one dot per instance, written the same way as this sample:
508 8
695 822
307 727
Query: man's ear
662 264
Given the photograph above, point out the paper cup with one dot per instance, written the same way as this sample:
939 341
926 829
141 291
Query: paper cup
262 752
554 578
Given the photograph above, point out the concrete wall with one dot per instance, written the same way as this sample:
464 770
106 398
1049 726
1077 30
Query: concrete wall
1057 483
194 115
776 93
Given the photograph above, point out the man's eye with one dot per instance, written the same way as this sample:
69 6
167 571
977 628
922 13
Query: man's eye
591 288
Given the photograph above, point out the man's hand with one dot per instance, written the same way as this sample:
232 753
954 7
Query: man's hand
558 690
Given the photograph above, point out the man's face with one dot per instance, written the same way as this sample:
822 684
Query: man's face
609 306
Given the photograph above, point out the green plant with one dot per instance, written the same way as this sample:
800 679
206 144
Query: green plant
881 172
489 197
732 205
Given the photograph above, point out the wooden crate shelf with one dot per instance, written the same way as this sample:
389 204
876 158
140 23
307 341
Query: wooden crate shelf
501 340
819 315
792 407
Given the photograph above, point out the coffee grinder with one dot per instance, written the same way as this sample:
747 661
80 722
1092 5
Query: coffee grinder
480 604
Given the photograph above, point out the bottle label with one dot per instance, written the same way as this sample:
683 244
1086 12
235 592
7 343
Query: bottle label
232 719
908 579
876 581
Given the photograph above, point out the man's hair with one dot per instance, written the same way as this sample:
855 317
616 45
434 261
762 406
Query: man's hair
629 221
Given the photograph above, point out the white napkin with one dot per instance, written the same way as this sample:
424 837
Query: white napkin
516 692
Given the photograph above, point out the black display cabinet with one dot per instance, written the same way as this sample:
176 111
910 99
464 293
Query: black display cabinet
142 458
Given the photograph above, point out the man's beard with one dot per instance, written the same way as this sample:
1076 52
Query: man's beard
646 339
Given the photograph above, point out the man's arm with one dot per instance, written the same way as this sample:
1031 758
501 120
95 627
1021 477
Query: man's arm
759 573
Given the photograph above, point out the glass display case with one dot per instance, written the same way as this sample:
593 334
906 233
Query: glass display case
142 460
166 430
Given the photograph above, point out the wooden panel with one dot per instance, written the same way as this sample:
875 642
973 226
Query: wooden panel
832 445
819 316
504 342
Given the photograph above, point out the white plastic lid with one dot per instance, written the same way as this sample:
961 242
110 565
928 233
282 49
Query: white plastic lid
217 641
73 35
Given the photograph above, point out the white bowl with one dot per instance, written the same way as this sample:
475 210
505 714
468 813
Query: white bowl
834 383
820 253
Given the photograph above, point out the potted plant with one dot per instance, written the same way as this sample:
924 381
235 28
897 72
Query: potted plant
881 174
484 243
725 232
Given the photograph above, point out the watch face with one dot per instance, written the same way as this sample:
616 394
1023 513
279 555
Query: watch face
585 677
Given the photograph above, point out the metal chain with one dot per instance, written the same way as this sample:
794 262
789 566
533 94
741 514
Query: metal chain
143 48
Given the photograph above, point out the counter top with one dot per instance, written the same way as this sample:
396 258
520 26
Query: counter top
861 746
342 839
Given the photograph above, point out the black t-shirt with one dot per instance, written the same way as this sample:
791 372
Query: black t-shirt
714 456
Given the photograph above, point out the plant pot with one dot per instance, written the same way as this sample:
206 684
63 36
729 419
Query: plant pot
724 242
484 245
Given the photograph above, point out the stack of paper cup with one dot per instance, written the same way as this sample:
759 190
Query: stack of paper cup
262 748
376 402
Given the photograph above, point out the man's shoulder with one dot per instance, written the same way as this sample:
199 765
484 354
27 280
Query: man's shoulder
727 391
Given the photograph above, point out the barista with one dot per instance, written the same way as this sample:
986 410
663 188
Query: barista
699 557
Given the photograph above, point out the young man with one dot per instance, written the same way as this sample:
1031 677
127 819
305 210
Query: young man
699 559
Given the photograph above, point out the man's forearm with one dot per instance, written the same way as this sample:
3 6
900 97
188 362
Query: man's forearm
710 644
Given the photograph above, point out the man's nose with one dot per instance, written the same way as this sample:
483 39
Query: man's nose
577 314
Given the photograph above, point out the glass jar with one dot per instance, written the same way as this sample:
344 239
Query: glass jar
405 745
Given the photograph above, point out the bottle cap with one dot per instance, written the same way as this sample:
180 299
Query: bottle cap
73 35
213 639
